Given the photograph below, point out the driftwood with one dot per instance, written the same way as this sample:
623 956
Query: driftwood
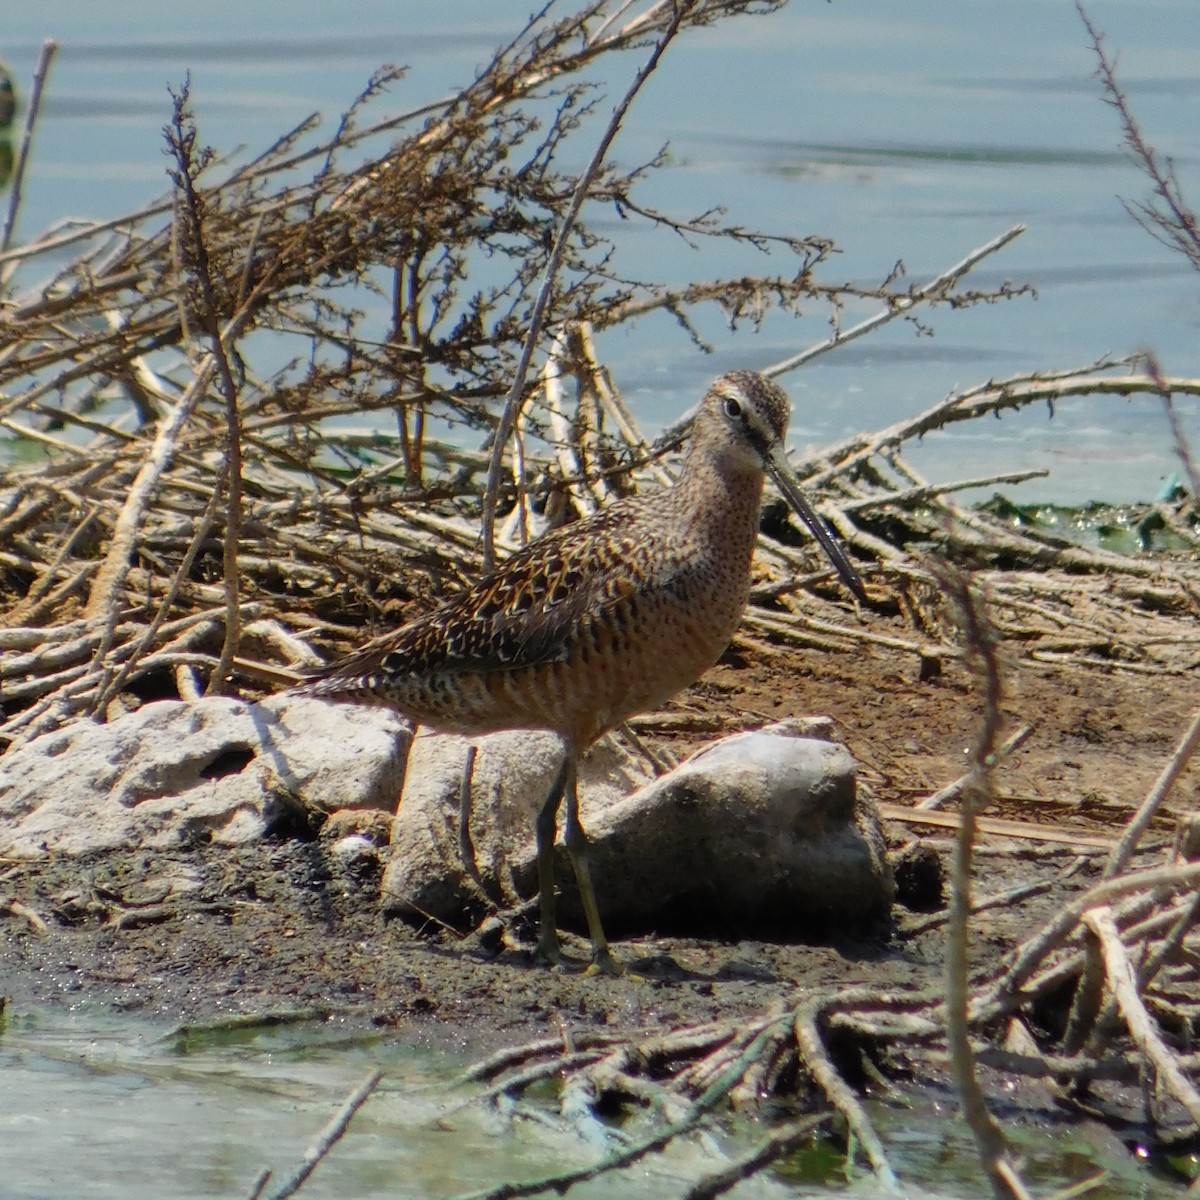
180 478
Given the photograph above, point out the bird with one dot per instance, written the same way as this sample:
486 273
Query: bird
597 620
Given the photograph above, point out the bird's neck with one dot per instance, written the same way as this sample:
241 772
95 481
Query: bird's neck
719 501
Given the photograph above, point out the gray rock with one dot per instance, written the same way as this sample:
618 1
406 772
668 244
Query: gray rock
510 779
763 832
176 772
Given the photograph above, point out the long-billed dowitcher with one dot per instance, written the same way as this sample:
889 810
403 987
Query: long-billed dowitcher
597 620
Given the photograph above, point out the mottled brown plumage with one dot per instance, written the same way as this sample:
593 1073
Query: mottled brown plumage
598 620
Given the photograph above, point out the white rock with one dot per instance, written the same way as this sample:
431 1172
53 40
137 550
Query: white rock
175 772
355 852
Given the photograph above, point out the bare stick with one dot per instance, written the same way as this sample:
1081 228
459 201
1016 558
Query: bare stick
181 138
980 640
328 1137
1169 220
1125 847
812 1048
933 290
512 1056
628 1155
512 406
1178 436
260 1183
1005 899
10 904
953 790
109 578
49 46
779 1142
1027 958
931 491
1121 978
1016 392
114 684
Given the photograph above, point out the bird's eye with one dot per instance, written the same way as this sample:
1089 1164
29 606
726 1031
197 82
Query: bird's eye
733 408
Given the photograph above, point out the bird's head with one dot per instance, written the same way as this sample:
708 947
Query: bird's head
741 424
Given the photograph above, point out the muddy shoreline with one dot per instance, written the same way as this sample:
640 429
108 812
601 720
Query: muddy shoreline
197 934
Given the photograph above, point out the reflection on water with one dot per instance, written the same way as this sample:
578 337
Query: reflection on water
111 1108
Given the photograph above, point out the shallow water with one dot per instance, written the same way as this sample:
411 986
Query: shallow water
910 133
101 1106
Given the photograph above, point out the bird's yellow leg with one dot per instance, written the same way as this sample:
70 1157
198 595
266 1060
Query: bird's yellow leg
575 840
547 831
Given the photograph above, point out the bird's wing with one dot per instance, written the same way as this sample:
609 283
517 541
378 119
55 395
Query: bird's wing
523 614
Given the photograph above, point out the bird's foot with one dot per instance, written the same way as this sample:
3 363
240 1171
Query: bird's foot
603 963
549 951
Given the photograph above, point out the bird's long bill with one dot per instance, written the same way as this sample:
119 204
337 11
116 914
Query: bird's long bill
789 485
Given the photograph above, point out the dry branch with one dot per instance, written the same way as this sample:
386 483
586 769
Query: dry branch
206 477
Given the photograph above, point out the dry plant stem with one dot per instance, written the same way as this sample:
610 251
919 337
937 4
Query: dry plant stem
900 306
980 643
115 684
511 1056
934 289
566 228
329 1137
1182 449
1006 899
1134 930
515 1084
812 1052
953 790
182 141
49 47
1002 995
1015 393
10 904
1172 942
925 492
779 1142
1088 1184
1132 834
628 1155
106 586
1101 1009
1174 224
1123 982
1085 1004
613 401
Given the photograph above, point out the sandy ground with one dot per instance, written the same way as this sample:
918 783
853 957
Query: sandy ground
196 934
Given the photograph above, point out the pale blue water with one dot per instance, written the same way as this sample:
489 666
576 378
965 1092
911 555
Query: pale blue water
912 132
103 1107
